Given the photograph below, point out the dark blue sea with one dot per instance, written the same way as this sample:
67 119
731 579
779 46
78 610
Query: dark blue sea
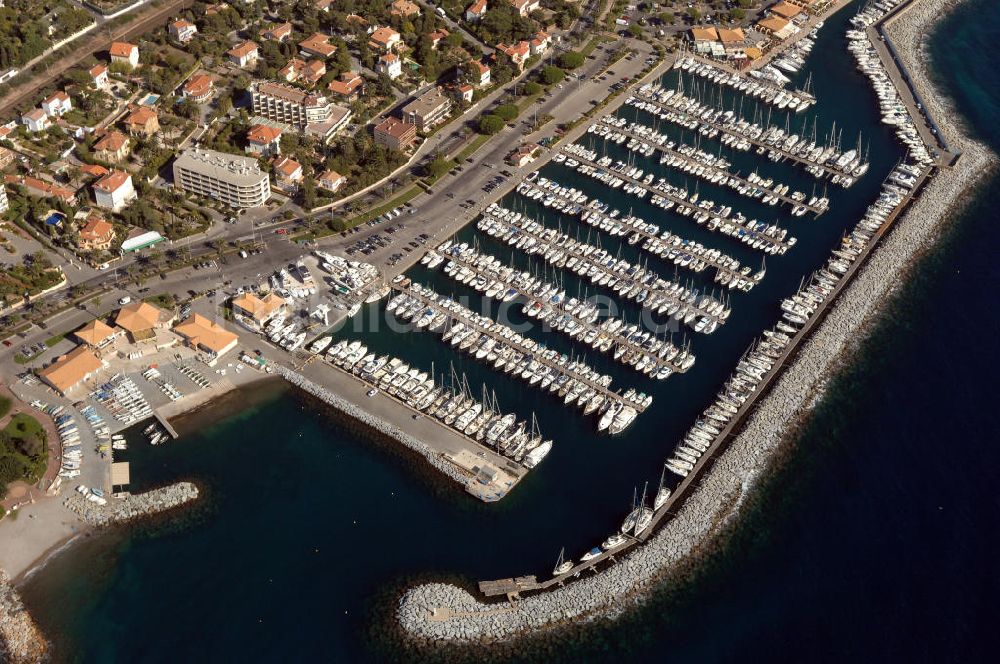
875 540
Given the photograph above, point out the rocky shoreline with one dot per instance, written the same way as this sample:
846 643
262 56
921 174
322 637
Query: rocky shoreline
128 507
383 427
445 613
21 642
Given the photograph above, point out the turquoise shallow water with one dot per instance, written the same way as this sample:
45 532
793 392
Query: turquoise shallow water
874 543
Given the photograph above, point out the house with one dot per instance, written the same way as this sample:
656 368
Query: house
523 155
428 109
279 32
71 369
140 320
114 191
331 181
142 121
437 36
206 336
253 312
384 39
182 30
244 55
94 170
99 77
465 92
35 120
517 54
123 53
395 134
324 5
786 10
264 141
404 8
540 43
96 235
112 147
390 65
287 174
347 86
317 45
481 75
57 104
42 189
525 7
475 12
199 88
299 71
96 334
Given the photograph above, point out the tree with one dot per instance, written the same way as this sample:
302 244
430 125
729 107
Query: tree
571 59
694 14
737 14
308 192
490 124
635 30
531 88
508 112
437 166
552 75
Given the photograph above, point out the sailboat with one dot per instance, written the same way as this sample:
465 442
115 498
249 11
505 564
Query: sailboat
562 565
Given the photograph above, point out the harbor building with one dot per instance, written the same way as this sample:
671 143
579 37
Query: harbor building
71 369
206 336
141 320
308 112
253 312
236 181
97 334
428 109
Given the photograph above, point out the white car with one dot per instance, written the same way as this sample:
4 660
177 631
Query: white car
124 300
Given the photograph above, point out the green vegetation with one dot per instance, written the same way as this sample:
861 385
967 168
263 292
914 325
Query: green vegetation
25 24
5 405
32 276
491 124
23 451
52 341
552 75
508 112
531 89
163 300
571 59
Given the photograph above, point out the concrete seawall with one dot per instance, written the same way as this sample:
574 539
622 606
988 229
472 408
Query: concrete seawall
445 612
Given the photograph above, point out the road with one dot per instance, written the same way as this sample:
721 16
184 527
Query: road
100 40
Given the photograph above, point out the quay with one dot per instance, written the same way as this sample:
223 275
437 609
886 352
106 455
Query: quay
681 252
707 168
689 113
771 239
646 287
559 316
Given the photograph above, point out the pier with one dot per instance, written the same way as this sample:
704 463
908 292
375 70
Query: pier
703 313
688 113
709 169
771 239
573 380
563 315
681 252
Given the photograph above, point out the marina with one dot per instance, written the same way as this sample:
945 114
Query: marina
768 238
766 84
820 159
689 159
702 312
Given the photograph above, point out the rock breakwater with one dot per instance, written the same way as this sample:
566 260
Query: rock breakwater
442 612
21 642
120 509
